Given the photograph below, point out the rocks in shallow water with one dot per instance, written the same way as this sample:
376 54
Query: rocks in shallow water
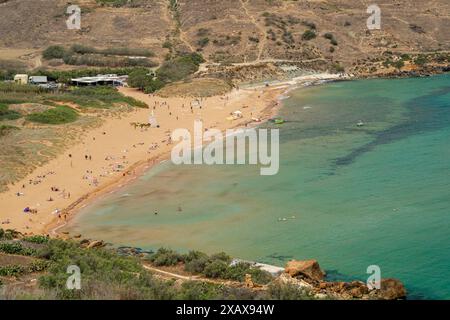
131 251
306 268
391 289
84 242
307 274
95 244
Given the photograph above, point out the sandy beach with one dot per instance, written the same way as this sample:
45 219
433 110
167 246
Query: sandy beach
117 152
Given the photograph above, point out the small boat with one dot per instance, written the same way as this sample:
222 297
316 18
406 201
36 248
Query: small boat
279 121
360 123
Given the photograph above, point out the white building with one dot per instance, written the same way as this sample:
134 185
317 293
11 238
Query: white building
21 78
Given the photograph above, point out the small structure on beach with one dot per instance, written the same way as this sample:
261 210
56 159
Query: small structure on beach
273 270
196 103
38 80
101 79
21 78
237 115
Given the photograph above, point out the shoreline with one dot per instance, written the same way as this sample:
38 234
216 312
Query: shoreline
142 167
262 99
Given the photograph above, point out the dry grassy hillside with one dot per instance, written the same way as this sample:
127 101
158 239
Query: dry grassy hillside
229 31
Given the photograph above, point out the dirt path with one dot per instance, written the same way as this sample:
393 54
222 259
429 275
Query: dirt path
263 41
170 275
167 15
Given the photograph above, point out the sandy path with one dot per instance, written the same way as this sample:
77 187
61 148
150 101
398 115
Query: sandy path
116 154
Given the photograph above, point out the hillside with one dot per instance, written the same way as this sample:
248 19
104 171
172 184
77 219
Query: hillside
35 267
314 34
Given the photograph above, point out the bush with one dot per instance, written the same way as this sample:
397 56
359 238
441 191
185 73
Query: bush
195 290
179 68
195 262
279 291
165 257
203 42
36 239
105 274
8 234
338 68
309 35
118 51
96 60
6 114
216 269
328 36
421 60
112 3
140 78
54 52
11 270
399 64
154 85
16 248
58 115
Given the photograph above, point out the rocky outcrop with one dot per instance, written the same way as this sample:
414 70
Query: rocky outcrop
307 268
96 244
391 289
308 274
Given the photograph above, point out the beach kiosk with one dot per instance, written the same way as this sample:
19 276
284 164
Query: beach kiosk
21 78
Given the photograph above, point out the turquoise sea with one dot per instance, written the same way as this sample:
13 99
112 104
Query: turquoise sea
372 195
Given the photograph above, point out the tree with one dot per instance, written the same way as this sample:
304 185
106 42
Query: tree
54 52
139 78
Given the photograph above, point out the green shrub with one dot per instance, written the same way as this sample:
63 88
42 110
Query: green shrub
117 51
54 52
105 275
36 239
222 256
421 60
328 36
195 290
8 234
216 269
95 60
58 115
179 68
405 57
280 291
309 35
139 78
38 266
112 3
165 257
16 248
196 261
11 270
399 64
203 42
6 114
154 85
99 97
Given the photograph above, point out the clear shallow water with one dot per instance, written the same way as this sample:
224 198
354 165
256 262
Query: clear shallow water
379 194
